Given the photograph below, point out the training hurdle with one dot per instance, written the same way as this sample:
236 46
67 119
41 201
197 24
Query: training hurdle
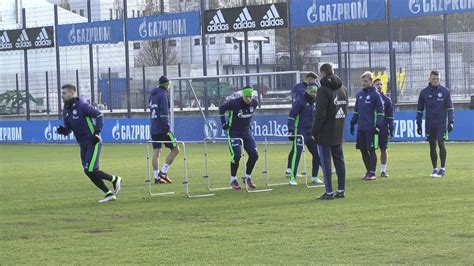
186 176
304 174
206 162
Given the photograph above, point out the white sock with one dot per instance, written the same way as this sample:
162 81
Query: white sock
165 168
248 176
442 168
435 169
383 167
233 178
288 170
155 173
340 191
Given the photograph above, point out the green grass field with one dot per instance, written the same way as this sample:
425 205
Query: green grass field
49 213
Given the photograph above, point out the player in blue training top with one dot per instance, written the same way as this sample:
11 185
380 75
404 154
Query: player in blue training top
300 88
387 128
86 123
436 99
300 120
160 131
240 114
368 115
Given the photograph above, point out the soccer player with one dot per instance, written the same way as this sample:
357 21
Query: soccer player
368 115
240 114
436 99
328 129
86 123
300 88
160 131
299 123
387 128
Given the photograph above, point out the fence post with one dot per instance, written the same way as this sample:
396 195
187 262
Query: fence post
91 55
163 42
58 62
109 83
393 79
77 82
447 64
259 91
47 93
17 93
144 88
339 49
290 37
127 61
180 88
27 86
204 58
370 54
393 64
218 80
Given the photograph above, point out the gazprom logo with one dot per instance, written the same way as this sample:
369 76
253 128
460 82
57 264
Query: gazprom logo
134 132
414 6
72 35
312 12
50 134
142 29
211 128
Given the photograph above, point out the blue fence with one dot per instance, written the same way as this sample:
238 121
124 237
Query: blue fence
193 129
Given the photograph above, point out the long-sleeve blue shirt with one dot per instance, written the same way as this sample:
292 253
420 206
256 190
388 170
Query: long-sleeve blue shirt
83 119
159 111
388 117
239 117
301 115
298 90
438 105
368 110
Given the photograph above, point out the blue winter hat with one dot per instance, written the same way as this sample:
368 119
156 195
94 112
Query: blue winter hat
164 81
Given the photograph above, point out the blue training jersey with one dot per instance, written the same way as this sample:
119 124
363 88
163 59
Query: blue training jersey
388 114
83 119
438 105
240 115
368 110
301 115
159 111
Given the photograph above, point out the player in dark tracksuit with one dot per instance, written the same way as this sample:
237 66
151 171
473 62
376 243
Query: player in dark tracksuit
86 122
160 131
436 99
328 129
299 123
368 115
300 88
237 126
386 130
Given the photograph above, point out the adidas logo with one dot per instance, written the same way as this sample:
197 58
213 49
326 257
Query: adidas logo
340 114
244 20
43 38
217 23
5 41
23 41
272 18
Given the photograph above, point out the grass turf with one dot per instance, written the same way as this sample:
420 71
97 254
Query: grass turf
49 213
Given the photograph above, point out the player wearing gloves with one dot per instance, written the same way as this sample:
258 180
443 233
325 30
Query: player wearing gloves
436 99
160 131
86 123
240 111
368 116
386 130
299 123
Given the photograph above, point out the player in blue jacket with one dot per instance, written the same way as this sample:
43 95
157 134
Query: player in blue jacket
240 111
160 131
436 101
300 120
386 130
86 123
300 88
368 115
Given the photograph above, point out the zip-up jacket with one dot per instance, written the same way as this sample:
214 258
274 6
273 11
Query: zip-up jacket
438 104
301 115
388 117
159 111
368 110
83 119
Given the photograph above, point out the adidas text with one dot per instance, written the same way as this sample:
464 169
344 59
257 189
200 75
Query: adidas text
244 25
272 22
218 27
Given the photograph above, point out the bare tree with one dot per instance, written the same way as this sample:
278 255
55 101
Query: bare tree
118 7
65 5
151 52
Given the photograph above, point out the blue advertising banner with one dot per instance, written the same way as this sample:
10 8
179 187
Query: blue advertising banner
110 31
416 8
164 26
194 129
319 12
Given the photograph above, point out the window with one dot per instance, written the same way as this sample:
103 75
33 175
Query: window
197 42
74 11
212 40
267 40
136 45
171 42
81 12
228 39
